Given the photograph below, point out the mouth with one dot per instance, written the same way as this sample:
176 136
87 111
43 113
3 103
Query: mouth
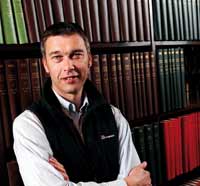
70 79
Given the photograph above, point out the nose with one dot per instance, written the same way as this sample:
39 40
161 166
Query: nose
68 63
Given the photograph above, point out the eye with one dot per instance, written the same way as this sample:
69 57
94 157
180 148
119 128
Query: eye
76 55
57 58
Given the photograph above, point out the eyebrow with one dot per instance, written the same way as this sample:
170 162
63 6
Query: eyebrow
73 51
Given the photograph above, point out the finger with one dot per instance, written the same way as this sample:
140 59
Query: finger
54 161
143 165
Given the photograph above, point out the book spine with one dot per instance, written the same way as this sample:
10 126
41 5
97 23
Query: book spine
1 32
171 20
157 20
154 77
40 15
104 20
161 80
190 19
181 20
8 23
147 72
69 15
139 86
121 84
194 18
164 20
176 20
114 81
128 85
104 76
87 19
24 83
133 65
12 85
20 21
123 19
78 13
114 20
145 12
186 20
96 72
132 20
57 11
139 20
48 12
31 20
5 108
35 78
198 18
143 86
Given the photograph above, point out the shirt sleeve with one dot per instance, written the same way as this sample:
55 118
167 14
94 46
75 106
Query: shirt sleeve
128 156
33 150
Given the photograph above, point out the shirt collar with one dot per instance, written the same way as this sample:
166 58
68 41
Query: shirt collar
70 107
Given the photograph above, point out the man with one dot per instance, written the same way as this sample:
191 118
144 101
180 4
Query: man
73 123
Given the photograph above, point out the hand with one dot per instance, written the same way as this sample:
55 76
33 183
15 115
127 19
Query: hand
138 176
59 167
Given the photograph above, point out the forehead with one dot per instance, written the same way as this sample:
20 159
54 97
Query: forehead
64 42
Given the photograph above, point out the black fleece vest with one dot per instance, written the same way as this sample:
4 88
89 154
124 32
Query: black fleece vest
95 159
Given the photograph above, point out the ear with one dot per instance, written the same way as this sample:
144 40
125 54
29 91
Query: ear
44 62
89 60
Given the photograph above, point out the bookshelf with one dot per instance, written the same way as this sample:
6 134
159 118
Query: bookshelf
140 43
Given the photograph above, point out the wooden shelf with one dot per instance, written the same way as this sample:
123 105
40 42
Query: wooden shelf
176 43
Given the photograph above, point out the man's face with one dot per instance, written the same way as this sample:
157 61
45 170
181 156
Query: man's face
67 62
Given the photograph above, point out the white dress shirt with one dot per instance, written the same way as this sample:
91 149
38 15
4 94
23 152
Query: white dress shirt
33 150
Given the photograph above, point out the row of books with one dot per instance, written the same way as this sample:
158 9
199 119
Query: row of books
171 70
181 144
176 19
128 81
173 143
23 21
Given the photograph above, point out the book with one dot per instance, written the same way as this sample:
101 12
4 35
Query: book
190 19
114 20
194 19
24 83
114 91
121 82
1 32
58 14
132 20
186 20
48 12
150 151
78 12
20 21
35 78
198 18
123 20
6 122
157 19
3 168
12 86
146 21
171 20
176 19
87 19
96 72
104 20
128 86
148 84
134 77
68 8
160 58
165 34
13 174
40 14
8 23
94 12
154 81
31 20
181 20
139 20
104 76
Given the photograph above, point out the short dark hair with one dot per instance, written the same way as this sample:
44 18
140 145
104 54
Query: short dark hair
63 28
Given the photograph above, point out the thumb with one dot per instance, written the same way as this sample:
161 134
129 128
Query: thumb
143 165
